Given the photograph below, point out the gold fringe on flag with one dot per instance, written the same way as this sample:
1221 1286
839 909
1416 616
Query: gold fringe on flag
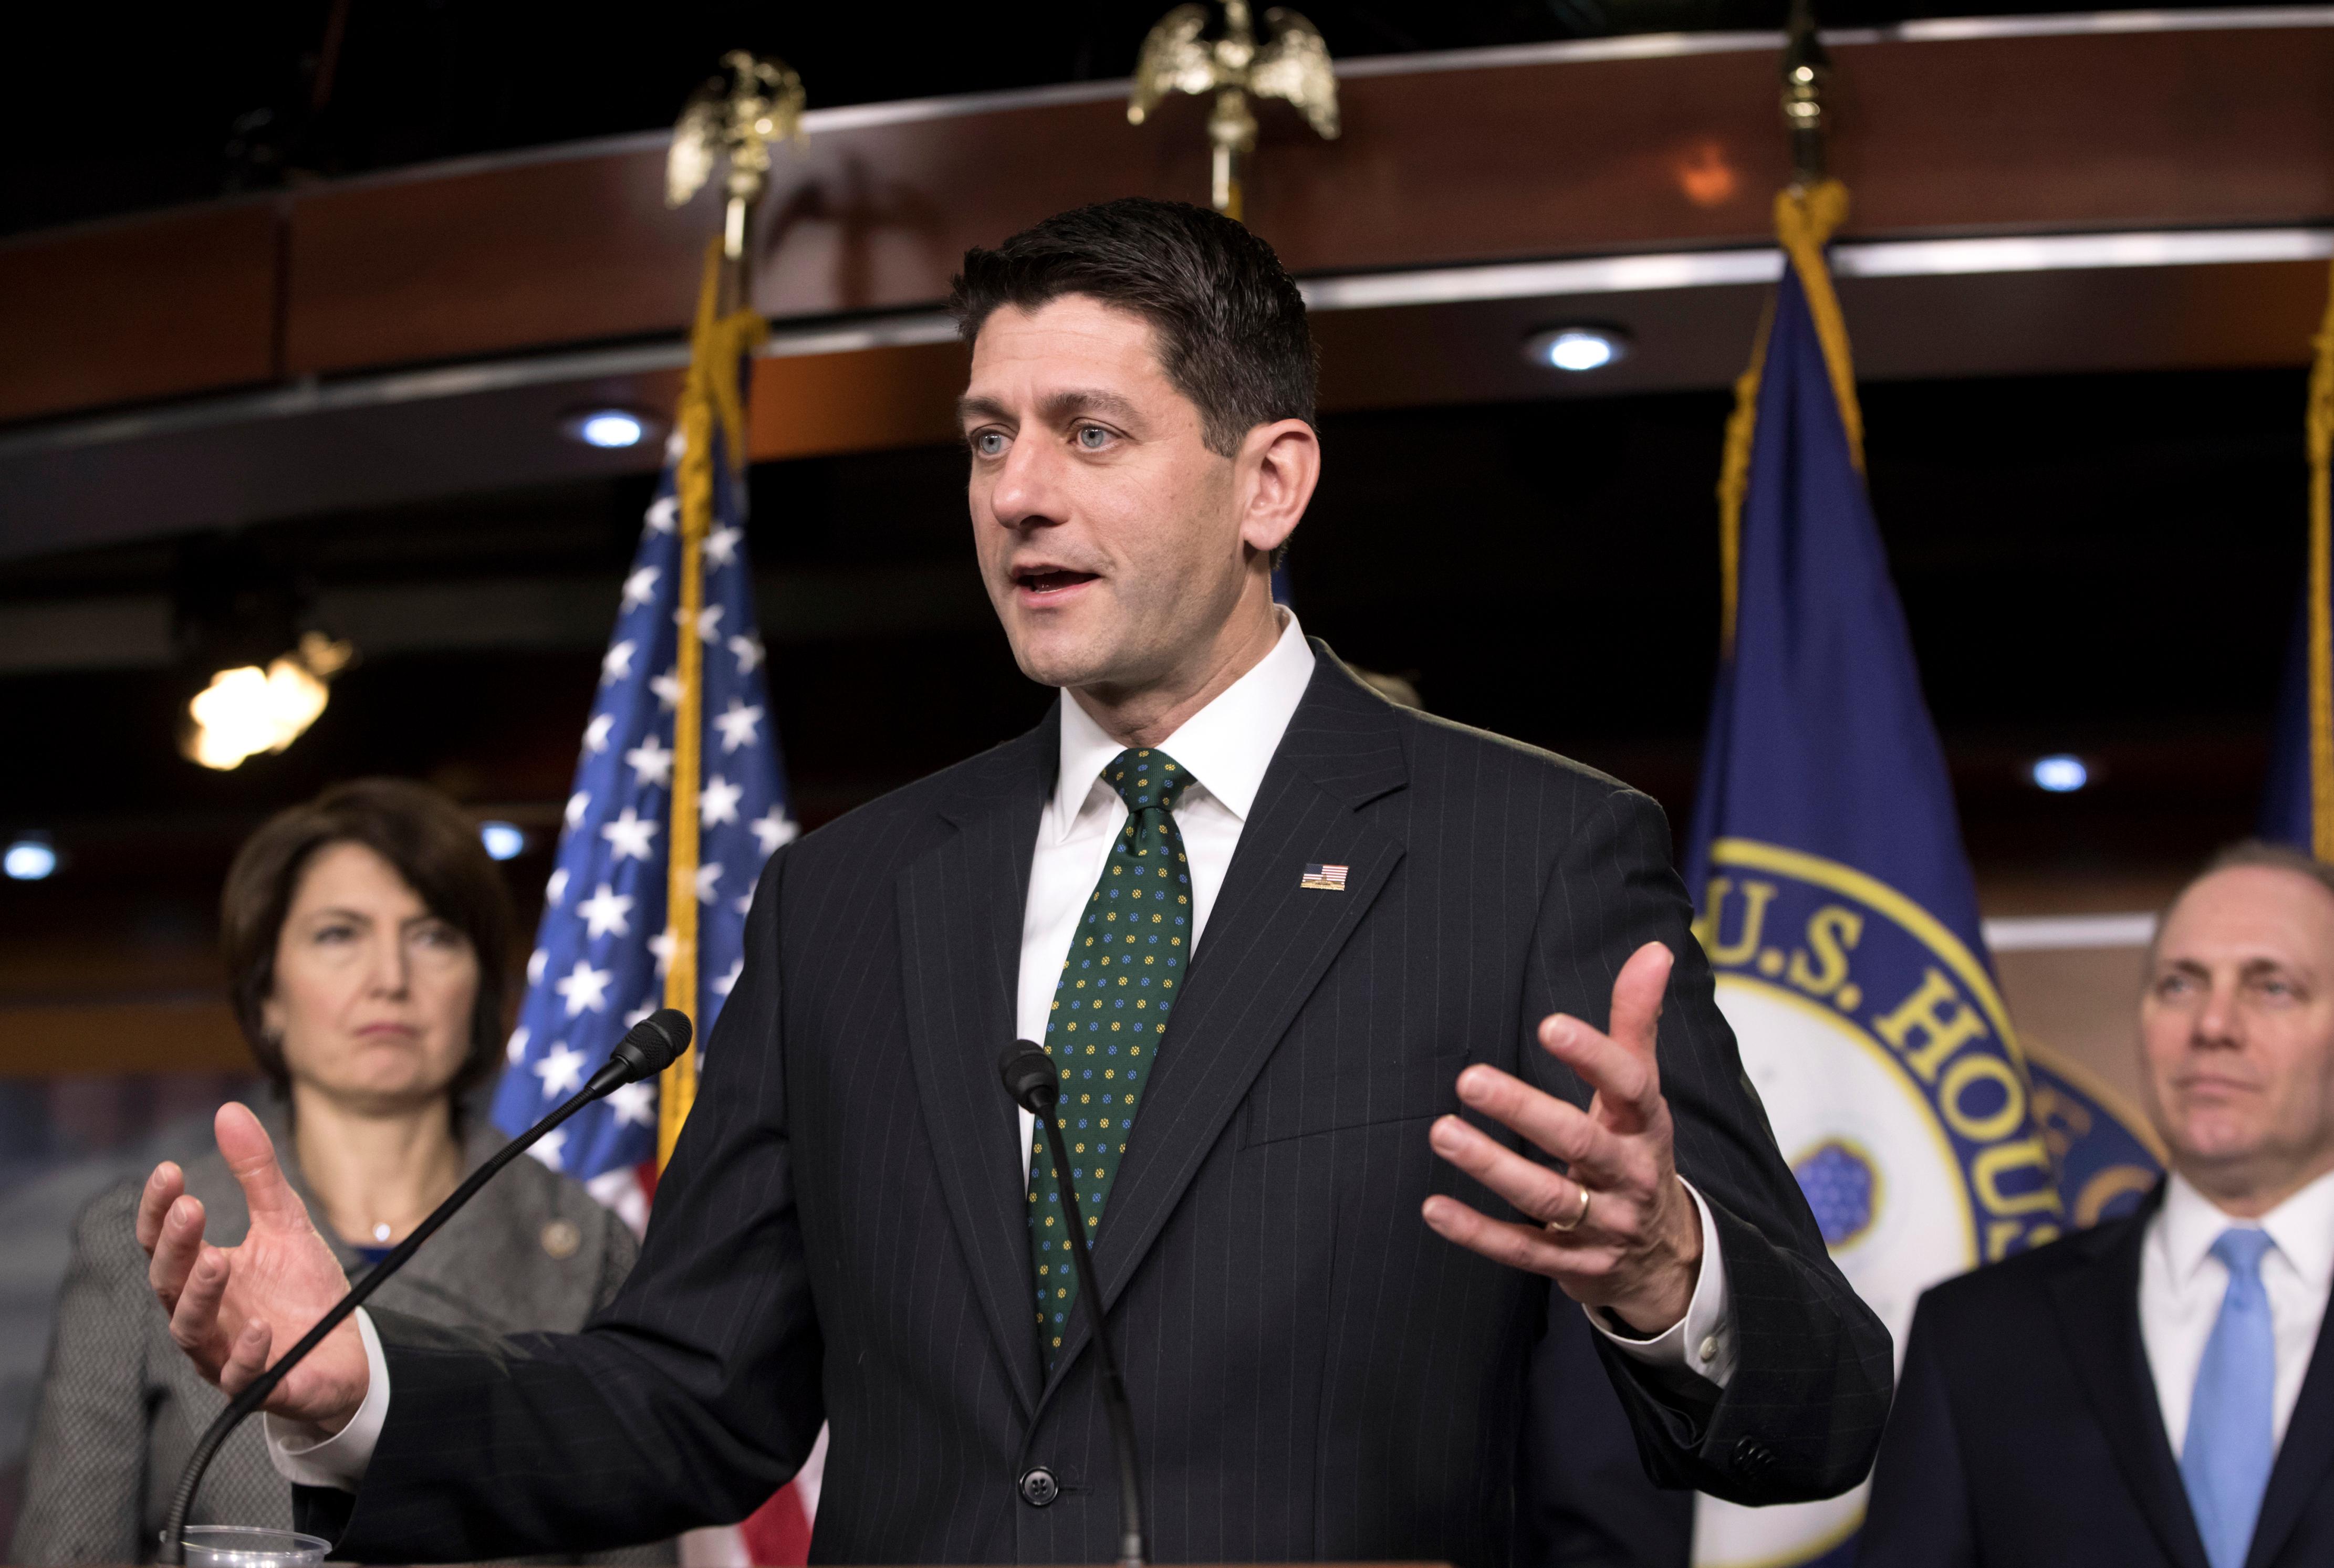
2320 430
1805 219
716 346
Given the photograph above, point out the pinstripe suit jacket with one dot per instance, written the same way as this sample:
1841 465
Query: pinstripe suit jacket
1314 1373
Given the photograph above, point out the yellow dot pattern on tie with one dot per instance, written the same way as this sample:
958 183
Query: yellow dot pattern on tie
1146 876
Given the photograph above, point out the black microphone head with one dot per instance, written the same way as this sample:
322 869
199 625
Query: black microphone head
1030 1077
653 1044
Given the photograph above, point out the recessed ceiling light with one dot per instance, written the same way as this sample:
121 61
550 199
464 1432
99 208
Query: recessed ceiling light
29 859
2060 773
609 429
1577 348
503 840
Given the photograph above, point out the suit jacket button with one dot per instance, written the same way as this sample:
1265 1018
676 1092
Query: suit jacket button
1751 1457
1038 1486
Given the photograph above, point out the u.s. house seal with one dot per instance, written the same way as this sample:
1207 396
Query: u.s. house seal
1882 1051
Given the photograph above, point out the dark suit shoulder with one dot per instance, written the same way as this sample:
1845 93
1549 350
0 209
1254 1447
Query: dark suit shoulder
1428 734
1975 1300
900 816
1451 760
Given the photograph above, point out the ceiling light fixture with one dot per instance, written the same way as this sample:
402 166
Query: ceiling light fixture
609 429
30 859
247 710
1577 348
2059 774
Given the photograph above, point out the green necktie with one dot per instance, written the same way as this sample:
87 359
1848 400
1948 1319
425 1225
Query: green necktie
1110 1008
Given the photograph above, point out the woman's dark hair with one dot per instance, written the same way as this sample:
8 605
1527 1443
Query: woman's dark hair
431 844
1233 334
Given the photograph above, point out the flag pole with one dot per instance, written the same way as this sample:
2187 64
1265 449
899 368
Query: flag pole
712 403
2321 433
677 1087
1807 212
736 115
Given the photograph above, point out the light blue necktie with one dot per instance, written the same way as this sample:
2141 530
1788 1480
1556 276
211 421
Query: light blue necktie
2225 1461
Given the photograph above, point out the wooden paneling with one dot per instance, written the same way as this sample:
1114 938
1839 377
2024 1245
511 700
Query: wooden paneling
2144 129
1436 166
485 260
814 404
98 1038
124 312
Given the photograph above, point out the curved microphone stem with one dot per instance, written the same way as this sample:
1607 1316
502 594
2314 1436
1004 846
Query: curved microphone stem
1113 1391
623 1067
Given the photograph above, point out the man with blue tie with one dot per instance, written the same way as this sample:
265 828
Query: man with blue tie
2150 1391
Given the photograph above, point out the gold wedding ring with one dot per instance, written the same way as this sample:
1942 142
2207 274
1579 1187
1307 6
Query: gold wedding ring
1574 1223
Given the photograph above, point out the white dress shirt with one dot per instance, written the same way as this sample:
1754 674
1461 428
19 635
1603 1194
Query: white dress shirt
1226 748
2180 1284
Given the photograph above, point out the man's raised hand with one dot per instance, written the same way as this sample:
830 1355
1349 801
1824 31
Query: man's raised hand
233 1309
1620 1232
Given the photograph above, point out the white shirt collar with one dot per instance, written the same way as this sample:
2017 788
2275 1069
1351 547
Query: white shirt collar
2301 1228
1226 746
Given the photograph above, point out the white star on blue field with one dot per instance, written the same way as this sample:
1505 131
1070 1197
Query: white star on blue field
604 944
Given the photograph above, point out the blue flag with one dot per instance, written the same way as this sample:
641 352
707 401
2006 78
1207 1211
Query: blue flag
1836 902
2289 799
2298 806
601 950
2106 1163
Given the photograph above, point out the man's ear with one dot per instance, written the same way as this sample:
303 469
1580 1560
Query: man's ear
1280 463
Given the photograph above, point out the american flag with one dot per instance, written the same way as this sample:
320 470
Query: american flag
1323 879
603 948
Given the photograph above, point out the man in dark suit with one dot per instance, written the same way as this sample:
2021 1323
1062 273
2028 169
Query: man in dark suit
1436 965
2156 1391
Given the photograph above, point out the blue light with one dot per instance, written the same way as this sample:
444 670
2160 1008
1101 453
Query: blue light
29 860
610 428
2061 774
503 840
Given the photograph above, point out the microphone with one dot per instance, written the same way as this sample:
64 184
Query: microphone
1031 1078
647 1049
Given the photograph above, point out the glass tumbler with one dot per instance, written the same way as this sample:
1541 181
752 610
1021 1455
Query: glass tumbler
238 1546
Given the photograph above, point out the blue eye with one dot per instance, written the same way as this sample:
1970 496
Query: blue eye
1093 437
989 443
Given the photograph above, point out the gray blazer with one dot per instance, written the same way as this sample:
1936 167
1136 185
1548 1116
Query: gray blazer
121 1407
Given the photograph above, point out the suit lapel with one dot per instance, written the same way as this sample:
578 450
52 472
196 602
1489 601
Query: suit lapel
1266 944
2098 1301
960 910
2303 1457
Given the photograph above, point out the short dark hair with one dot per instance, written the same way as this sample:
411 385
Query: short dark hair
2246 852
1232 332
431 844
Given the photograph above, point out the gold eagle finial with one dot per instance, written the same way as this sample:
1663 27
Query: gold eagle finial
1293 66
757 101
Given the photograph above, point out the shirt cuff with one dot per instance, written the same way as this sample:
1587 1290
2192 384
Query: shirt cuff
1702 1341
305 1454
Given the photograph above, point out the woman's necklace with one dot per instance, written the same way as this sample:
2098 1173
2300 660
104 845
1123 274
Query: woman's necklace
381 1230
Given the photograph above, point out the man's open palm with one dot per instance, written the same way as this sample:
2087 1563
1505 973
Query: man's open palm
232 1310
1616 1228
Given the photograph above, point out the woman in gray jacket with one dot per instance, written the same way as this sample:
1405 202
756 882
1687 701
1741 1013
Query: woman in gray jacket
365 936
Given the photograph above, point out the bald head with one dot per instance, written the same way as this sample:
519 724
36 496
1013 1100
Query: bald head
2237 1029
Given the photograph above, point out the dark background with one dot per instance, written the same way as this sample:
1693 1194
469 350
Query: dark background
2097 565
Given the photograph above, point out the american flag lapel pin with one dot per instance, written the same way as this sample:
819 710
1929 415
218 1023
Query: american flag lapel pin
1323 879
